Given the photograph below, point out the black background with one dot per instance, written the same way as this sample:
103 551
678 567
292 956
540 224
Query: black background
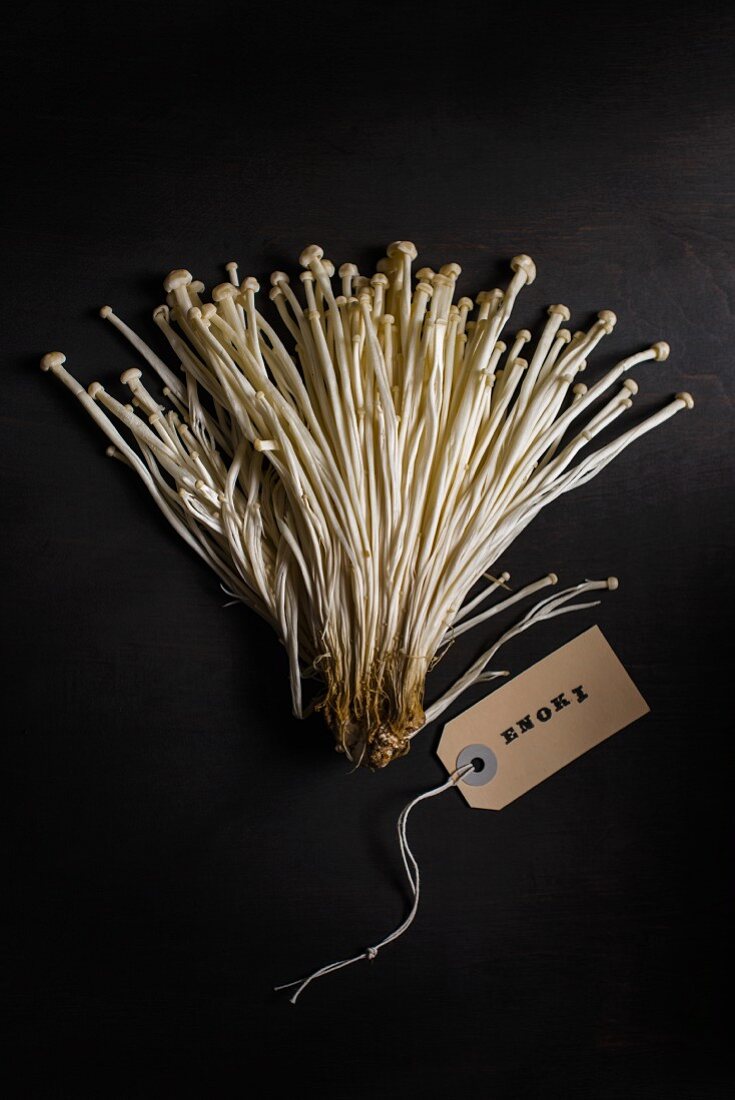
176 842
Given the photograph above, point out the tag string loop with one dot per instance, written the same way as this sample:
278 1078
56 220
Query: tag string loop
414 882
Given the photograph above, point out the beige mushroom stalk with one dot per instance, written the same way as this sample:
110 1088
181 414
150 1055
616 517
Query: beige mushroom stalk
355 477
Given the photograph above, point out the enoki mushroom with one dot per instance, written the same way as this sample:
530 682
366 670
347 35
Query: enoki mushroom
354 478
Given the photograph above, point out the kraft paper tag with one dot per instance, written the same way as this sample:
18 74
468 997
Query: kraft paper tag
541 720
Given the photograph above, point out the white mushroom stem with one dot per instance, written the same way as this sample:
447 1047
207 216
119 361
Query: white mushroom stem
355 475
546 609
497 582
455 630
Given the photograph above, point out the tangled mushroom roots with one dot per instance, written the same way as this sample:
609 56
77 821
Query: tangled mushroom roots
373 721
353 471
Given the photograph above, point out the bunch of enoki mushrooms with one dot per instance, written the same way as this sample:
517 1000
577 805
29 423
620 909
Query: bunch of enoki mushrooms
355 476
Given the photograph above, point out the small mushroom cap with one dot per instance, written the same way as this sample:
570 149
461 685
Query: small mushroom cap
524 335
348 271
328 268
491 296
53 359
161 313
224 290
580 389
563 312
231 266
608 319
466 303
631 385
612 583
405 248
311 254
132 374
251 283
94 389
662 350
380 279
105 312
208 311
687 399
453 271
564 334
553 578
278 277
176 279
524 263
425 274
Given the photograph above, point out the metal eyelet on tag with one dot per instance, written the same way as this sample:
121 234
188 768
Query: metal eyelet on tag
479 776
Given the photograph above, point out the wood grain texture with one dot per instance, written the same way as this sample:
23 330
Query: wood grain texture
176 842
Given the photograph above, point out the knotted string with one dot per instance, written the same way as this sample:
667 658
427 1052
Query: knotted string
414 881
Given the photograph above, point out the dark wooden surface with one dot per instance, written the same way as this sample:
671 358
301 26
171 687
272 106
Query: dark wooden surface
177 843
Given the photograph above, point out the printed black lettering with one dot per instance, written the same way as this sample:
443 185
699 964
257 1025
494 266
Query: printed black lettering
525 724
544 714
580 694
560 702
509 735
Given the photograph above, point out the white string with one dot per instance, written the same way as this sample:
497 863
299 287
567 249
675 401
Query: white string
414 881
